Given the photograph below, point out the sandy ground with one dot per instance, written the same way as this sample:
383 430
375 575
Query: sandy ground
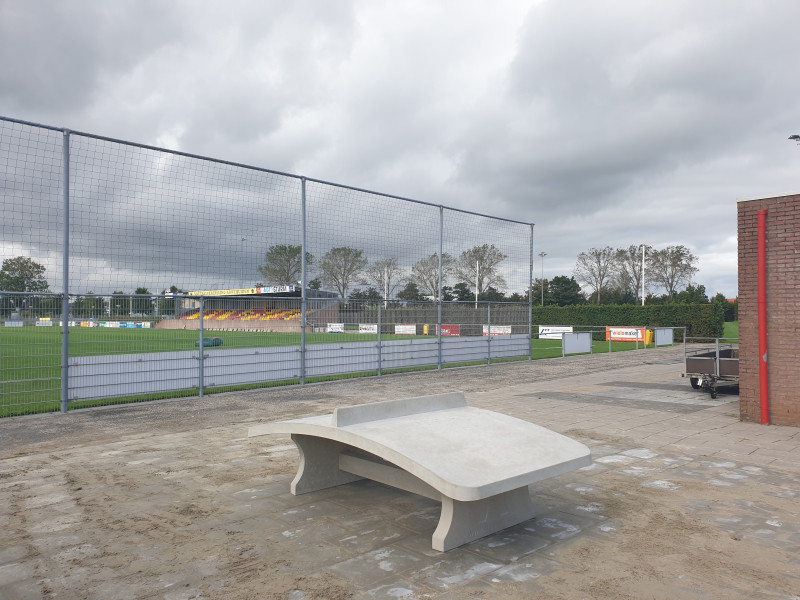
173 501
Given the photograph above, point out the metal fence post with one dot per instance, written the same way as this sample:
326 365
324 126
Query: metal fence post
201 358
489 332
530 298
441 278
65 271
380 343
303 300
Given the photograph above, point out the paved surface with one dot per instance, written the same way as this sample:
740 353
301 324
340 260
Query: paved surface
667 460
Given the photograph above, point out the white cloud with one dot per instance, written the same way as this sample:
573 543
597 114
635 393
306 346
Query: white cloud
611 123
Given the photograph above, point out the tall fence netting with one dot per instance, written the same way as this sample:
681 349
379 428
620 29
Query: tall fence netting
188 275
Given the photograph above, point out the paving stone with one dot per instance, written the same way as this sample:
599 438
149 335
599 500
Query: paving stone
368 569
378 540
455 571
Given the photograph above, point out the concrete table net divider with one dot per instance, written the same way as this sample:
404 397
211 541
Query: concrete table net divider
478 463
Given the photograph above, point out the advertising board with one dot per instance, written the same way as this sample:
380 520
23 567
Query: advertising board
405 329
625 334
448 330
553 332
497 330
335 328
368 328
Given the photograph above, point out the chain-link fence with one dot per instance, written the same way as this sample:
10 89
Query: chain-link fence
131 272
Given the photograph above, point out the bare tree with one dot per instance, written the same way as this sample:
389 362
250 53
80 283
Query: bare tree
479 266
385 275
672 267
596 268
425 273
628 276
341 267
283 264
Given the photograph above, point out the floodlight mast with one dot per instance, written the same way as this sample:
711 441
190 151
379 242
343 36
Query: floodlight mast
541 283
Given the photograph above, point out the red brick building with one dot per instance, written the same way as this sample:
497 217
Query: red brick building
782 277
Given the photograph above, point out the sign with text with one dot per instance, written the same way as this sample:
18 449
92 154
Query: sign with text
368 328
335 328
450 330
625 334
497 330
553 332
271 289
405 329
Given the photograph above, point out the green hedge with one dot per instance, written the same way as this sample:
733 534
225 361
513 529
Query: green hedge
700 320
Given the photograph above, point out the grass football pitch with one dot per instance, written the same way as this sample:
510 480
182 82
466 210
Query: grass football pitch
30 357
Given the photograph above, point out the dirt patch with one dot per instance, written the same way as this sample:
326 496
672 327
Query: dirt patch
187 507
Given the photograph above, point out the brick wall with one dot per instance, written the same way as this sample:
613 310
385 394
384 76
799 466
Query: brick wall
783 304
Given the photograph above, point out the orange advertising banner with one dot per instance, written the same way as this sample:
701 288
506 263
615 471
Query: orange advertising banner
625 334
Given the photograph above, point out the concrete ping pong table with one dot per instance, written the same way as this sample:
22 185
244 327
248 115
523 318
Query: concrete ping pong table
477 462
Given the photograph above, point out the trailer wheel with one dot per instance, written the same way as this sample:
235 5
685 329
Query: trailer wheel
695 382
713 392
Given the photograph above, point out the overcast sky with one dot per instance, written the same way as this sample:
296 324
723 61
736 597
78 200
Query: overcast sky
604 123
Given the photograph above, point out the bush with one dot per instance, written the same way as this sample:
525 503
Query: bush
700 320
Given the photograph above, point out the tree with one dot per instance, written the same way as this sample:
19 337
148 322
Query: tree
167 305
425 273
595 268
491 294
386 275
118 304
613 294
479 266
88 306
693 294
731 309
368 294
628 276
462 293
342 266
410 293
447 294
142 306
541 297
673 267
22 274
564 291
283 264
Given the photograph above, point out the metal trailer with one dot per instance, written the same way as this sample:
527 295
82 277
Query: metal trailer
708 367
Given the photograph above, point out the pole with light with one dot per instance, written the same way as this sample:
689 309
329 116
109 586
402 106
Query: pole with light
477 280
542 255
643 250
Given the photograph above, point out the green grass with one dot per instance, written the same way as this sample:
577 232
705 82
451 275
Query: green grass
30 358
731 330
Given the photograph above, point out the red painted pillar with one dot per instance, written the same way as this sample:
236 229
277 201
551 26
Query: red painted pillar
763 373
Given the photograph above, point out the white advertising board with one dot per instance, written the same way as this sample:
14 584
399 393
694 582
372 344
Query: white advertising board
13 323
553 332
405 329
497 330
368 328
335 328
